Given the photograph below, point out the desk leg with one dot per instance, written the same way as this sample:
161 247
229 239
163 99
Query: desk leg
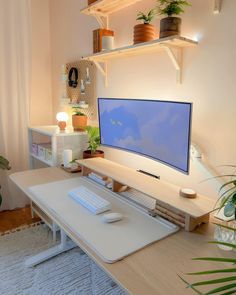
64 246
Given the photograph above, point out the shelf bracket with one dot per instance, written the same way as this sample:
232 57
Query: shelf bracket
102 19
103 69
217 6
176 60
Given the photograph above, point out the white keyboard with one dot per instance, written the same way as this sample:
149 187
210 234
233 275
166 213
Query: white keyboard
90 200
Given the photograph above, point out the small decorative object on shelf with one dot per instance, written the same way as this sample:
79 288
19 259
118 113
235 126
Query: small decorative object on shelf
79 119
73 77
98 39
87 79
62 119
67 158
170 25
145 32
82 87
4 165
94 142
107 43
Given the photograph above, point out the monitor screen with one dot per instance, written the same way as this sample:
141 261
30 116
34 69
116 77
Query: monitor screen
156 129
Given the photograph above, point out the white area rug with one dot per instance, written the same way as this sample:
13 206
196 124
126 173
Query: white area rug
69 273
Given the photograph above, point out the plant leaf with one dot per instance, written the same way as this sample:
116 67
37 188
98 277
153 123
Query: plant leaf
220 289
229 293
209 272
217 281
230 260
225 226
190 286
224 244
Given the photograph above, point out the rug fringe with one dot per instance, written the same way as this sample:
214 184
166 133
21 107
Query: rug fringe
23 227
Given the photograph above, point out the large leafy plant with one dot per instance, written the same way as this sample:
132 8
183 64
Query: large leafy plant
94 138
172 7
4 165
225 285
227 200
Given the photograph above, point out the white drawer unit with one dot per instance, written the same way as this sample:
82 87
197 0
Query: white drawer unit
46 144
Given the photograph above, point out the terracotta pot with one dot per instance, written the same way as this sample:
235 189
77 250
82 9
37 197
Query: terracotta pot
91 2
144 33
79 123
170 26
98 154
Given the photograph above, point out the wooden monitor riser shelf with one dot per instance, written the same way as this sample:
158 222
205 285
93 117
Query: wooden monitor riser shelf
187 213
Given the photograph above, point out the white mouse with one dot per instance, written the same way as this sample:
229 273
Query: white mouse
111 217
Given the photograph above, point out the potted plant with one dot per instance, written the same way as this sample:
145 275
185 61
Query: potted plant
145 32
79 120
94 143
171 25
4 165
225 284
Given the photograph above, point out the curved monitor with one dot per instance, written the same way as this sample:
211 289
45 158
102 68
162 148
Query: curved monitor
157 129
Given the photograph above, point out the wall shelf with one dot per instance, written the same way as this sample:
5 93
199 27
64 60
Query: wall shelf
171 45
101 9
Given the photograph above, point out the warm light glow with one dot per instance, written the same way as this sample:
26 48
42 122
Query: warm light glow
62 117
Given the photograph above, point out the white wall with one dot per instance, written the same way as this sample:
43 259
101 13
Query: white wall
208 77
41 92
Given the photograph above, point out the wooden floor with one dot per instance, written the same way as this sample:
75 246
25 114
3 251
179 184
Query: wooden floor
10 220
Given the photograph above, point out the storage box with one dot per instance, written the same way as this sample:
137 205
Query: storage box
48 155
42 150
34 149
97 38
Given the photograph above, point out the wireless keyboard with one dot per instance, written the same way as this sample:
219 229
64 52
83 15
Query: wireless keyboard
90 200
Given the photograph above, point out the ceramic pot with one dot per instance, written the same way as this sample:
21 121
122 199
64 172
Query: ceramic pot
98 154
79 123
91 2
144 33
170 26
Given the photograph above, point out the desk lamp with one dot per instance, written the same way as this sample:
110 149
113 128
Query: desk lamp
62 118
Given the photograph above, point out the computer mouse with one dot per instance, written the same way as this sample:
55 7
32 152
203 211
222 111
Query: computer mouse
111 217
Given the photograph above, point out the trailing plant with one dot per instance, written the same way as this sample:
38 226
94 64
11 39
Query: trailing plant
226 284
77 111
94 138
172 7
4 165
147 18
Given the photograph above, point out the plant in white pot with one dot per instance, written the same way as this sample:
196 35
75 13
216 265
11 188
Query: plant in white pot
146 31
4 165
171 25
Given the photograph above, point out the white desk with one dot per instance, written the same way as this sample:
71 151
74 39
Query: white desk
112 242
153 270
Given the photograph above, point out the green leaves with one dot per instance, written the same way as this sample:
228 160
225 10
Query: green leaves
147 18
226 283
171 7
94 138
77 112
4 164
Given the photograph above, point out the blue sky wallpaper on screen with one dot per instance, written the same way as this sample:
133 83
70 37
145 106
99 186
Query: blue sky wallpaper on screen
157 129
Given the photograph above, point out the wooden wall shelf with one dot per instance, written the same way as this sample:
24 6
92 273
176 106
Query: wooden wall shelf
172 45
101 9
